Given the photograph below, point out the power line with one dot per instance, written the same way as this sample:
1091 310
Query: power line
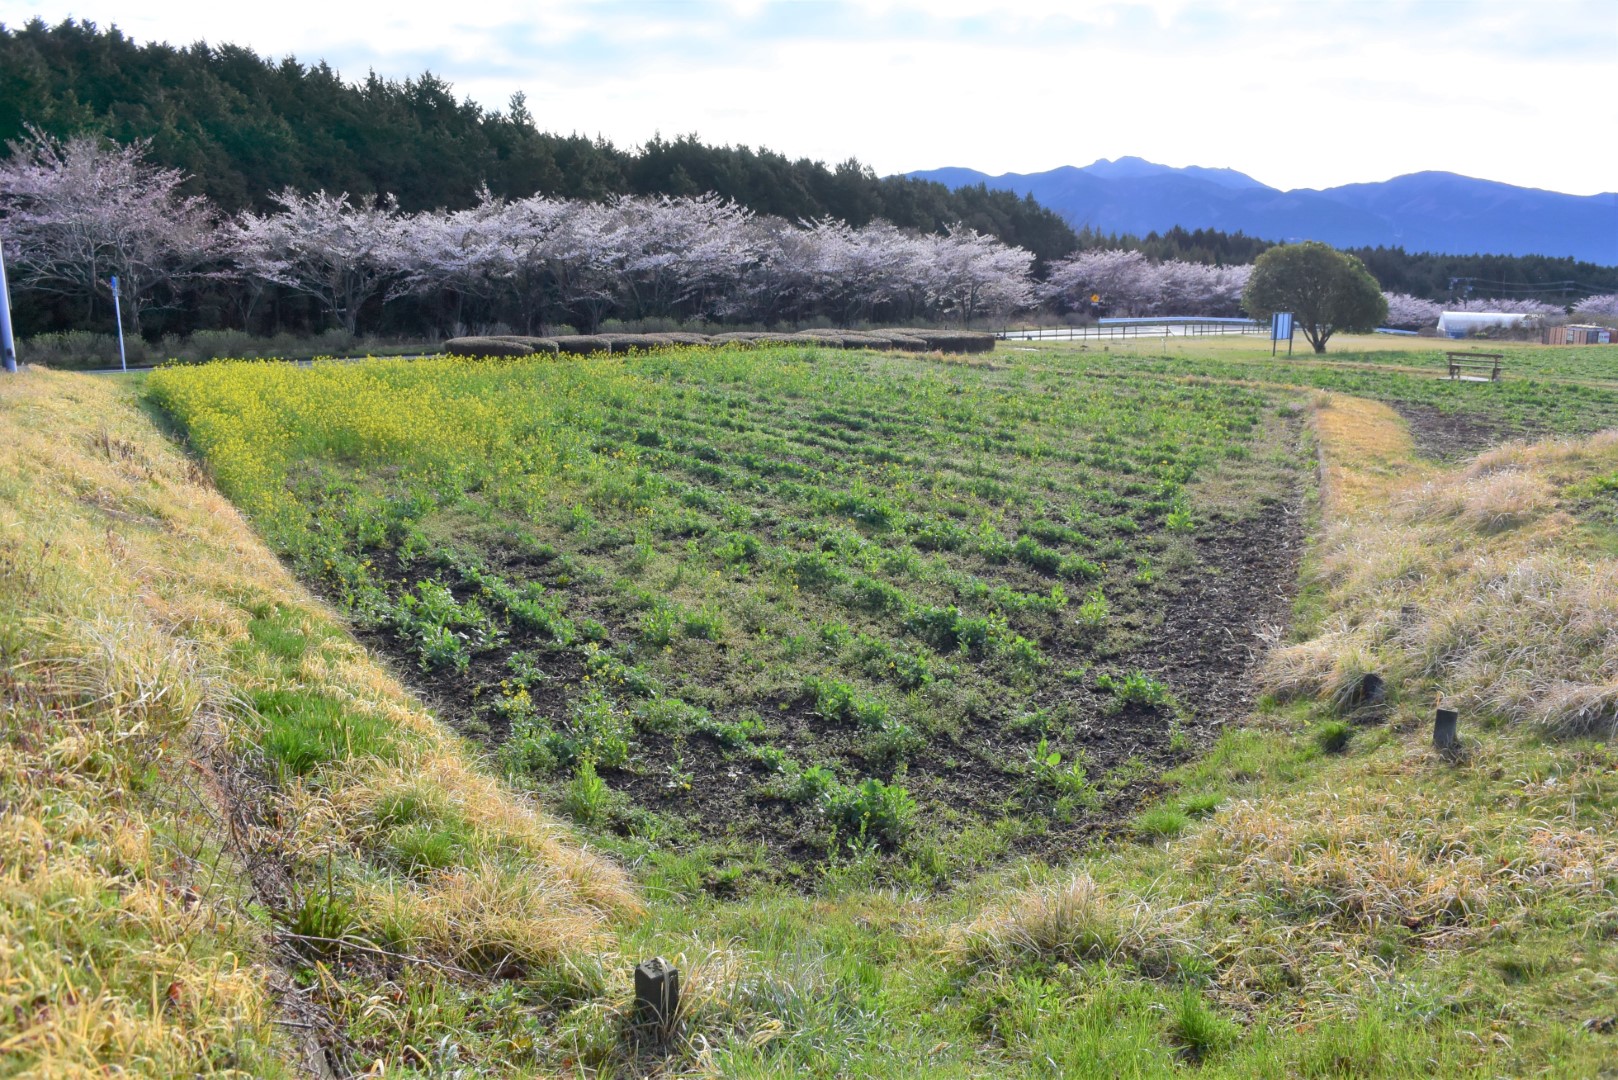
1563 286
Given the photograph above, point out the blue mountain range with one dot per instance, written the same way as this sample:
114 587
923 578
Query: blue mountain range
1437 212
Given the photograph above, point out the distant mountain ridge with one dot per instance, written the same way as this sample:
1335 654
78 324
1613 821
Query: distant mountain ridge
1436 212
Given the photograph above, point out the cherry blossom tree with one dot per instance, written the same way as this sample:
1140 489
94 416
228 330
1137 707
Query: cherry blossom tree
1121 278
677 254
325 246
581 255
970 274
459 255
1130 284
75 212
783 282
1512 307
1604 305
1411 312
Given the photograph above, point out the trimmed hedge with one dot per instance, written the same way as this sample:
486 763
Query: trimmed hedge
900 340
485 347
954 341
582 344
533 344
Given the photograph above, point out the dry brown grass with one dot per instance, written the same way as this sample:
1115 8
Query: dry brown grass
1473 584
127 587
1075 920
1364 445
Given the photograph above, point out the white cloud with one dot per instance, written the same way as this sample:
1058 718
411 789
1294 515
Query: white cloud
1297 94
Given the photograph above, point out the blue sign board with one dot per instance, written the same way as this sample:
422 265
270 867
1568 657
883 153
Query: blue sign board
1281 327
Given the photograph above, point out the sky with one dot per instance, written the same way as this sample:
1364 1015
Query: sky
1296 93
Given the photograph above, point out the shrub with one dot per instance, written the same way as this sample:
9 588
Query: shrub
952 341
624 343
900 340
81 349
544 346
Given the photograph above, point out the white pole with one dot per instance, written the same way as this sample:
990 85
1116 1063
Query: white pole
118 317
8 347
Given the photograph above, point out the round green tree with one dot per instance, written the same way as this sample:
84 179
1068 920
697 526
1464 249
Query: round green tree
1325 289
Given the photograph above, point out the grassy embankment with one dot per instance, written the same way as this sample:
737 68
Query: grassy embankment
202 777
1318 895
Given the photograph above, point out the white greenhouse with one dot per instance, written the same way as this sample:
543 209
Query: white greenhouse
1458 324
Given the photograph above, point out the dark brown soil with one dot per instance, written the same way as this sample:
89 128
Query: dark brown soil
1200 637
1451 436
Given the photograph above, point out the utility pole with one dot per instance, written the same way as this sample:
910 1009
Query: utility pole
8 346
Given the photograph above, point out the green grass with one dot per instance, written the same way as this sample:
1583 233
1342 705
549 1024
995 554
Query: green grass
1162 823
1546 390
1332 736
303 731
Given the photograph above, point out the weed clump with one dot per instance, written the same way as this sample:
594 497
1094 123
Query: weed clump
1332 736
1073 920
1197 1029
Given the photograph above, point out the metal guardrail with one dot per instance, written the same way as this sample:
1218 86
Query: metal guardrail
1114 329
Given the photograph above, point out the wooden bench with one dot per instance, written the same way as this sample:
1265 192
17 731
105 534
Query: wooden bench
1475 366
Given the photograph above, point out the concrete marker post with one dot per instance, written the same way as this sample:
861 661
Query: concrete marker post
657 994
1445 738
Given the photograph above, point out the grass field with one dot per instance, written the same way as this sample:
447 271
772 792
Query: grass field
915 700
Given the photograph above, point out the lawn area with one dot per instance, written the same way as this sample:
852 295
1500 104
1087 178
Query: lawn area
1546 389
